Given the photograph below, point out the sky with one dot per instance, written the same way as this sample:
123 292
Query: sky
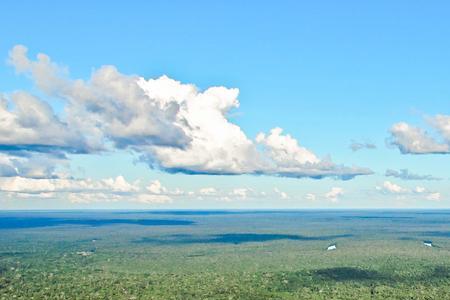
224 104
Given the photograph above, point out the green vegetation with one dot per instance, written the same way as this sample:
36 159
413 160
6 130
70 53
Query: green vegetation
245 255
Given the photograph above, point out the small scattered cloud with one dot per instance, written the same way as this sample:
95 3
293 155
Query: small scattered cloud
405 174
208 191
434 197
281 194
335 194
242 193
419 189
390 188
155 187
356 146
310 197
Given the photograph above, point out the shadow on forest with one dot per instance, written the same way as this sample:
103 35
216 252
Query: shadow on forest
293 281
439 272
436 233
341 274
235 238
357 274
347 274
16 222
417 235
315 279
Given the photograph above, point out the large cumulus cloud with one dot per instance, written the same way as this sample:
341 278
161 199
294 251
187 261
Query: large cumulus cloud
172 126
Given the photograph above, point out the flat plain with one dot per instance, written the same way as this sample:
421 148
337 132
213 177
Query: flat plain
225 254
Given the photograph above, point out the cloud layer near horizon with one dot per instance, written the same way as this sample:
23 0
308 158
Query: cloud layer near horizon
88 191
170 125
391 188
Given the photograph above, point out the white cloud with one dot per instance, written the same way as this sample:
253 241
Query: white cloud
155 187
434 197
47 75
119 184
334 194
310 197
85 190
414 140
88 198
27 123
287 158
208 191
216 145
173 126
239 193
418 191
242 193
284 150
34 186
235 194
429 195
13 195
281 194
110 105
442 125
392 187
32 164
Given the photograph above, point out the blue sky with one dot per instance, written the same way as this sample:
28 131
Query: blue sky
329 73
